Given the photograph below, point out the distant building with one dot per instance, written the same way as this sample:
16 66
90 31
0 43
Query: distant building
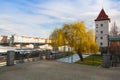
102 29
65 48
24 41
4 40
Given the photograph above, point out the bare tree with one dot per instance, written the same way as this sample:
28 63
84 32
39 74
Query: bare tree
114 30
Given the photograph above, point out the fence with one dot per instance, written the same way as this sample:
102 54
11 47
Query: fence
24 56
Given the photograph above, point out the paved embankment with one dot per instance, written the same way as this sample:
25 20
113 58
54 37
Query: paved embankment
53 70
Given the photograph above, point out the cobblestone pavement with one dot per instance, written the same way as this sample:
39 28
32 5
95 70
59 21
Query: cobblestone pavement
53 70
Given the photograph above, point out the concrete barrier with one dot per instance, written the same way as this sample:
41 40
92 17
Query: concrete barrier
106 61
10 58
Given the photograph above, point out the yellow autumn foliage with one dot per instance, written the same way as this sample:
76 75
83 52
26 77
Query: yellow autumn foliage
77 36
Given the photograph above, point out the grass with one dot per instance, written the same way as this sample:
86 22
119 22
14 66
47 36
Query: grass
93 60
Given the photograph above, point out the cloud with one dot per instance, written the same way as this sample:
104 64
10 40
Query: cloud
40 17
4 31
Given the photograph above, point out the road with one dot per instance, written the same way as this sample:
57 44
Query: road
53 70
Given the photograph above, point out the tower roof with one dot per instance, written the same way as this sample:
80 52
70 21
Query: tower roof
102 16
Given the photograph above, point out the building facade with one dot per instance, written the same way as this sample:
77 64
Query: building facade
102 29
24 41
4 39
114 45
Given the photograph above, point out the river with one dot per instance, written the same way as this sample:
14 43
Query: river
6 48
72 59
69 59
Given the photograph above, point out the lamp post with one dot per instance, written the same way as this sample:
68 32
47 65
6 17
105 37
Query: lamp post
12 40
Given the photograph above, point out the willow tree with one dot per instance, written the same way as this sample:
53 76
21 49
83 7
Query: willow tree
57 38
77 36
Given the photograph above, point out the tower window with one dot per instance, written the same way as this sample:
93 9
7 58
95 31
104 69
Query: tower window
101 37
101 25
96 25
101 43
102 17
96 30
101 32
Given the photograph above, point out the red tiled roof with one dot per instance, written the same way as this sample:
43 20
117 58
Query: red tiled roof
102 16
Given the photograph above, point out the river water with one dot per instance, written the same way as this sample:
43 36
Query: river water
69 59
5 49
72 59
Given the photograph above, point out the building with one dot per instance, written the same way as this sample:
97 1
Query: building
106 43
102 29
4 40
28 42
114 45
24 41
115 50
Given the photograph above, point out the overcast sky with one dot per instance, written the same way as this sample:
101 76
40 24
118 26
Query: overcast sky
40 17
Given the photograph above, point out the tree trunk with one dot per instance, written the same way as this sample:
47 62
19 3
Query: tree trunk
80 55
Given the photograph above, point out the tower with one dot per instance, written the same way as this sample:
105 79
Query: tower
102 29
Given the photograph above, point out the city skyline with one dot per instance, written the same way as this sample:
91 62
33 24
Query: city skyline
40 17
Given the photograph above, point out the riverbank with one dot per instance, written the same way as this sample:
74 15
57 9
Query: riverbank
93 60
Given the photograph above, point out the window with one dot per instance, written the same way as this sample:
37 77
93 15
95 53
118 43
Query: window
96 25
101 43
101 32
102 17
101 37
101 25
96 30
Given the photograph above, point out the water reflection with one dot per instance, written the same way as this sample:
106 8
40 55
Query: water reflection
71 59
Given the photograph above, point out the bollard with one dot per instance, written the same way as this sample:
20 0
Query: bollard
10 58
106 61
47 55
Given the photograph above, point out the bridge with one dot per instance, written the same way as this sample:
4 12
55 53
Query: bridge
23 41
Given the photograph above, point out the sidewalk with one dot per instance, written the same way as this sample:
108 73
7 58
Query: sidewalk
53 70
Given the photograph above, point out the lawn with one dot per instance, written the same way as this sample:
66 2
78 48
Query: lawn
93 60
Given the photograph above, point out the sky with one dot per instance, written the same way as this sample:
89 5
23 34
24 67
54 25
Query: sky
40 17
